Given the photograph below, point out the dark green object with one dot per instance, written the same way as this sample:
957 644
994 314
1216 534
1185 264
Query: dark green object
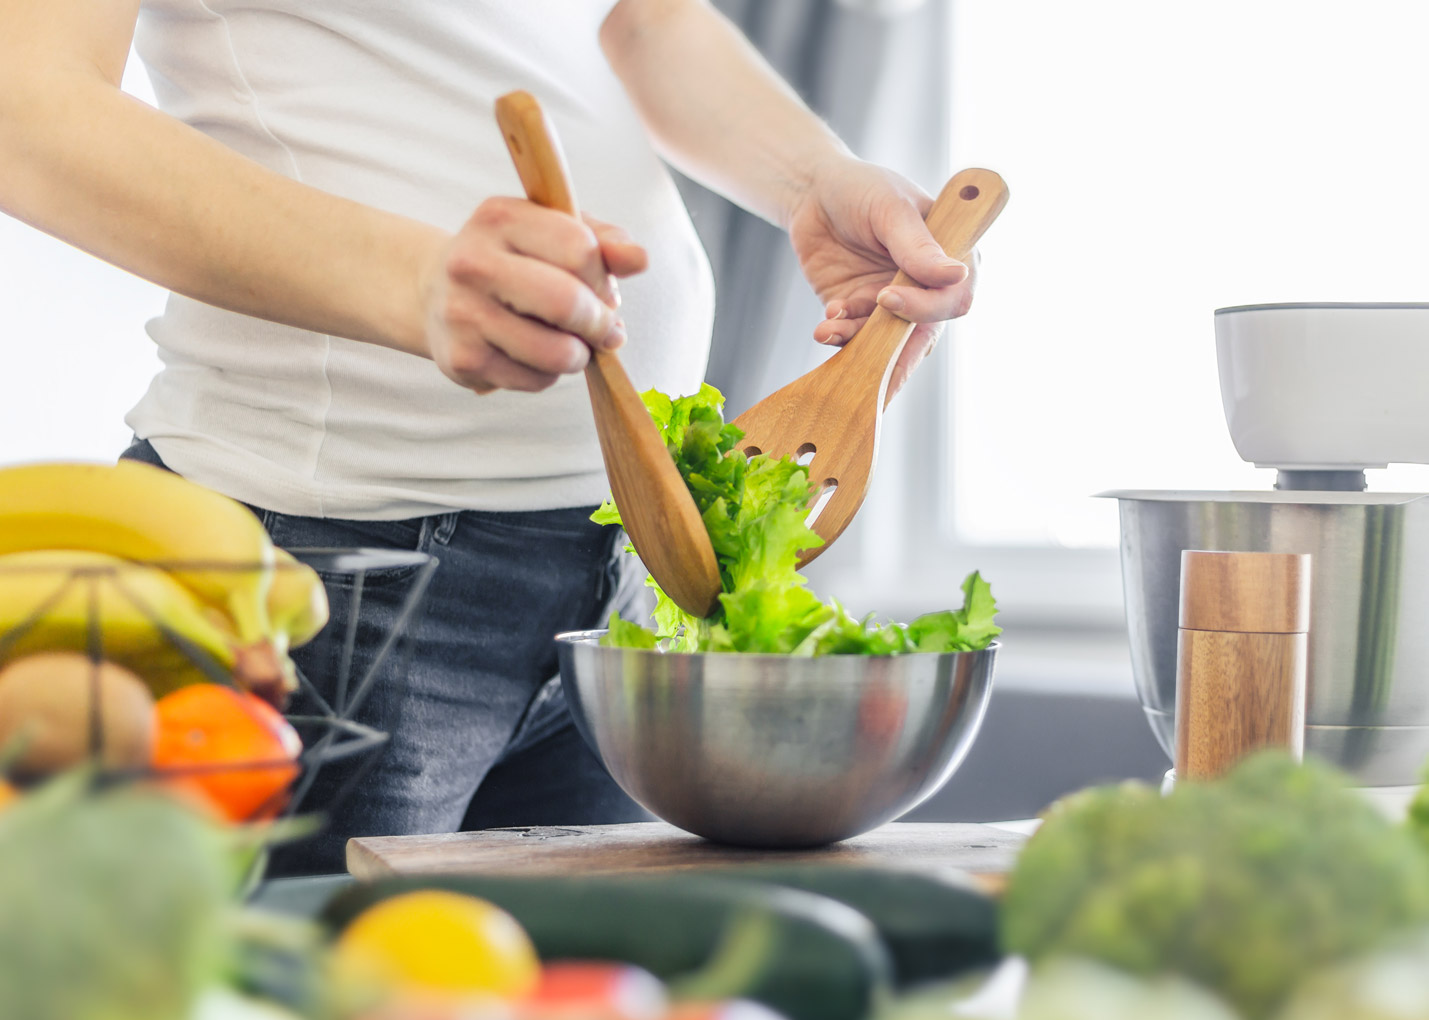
935 925
112 904
821 959
1246 885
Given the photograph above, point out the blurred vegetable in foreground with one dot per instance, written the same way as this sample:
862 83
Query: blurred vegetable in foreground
1073 989
583 990
735 1009
1247 885
113 905
220 1003
1391 984
1418 820
122 903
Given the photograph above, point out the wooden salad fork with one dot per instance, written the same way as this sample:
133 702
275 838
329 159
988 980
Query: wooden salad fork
835 412
655 505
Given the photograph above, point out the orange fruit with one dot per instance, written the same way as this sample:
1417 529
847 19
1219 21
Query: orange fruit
7 794
229 747
439 944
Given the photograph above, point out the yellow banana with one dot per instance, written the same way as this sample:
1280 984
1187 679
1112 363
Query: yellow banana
49 598
135 511
297 601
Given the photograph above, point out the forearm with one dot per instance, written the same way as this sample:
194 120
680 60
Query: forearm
86 163
716 110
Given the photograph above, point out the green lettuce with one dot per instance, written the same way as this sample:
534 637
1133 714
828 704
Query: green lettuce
754 509
624 634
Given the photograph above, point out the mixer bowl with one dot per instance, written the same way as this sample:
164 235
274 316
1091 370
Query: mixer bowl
1316 387
1367 694
772 750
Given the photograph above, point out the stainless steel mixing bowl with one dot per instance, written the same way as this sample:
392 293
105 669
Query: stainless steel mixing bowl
1368 674
770 750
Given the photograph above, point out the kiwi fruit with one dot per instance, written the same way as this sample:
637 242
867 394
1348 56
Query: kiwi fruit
58 709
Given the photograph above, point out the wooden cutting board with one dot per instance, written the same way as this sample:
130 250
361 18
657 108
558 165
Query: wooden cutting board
982 851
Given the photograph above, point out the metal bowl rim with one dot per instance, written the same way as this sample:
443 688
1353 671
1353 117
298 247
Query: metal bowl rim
591 637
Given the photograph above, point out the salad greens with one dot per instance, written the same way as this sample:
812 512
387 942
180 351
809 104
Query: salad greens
754 509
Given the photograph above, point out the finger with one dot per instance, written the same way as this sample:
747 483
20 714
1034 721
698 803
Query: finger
541 291
837 331
843 317
526 341
483 367
503 373
859 305
931 305
920 344
550 236
914 250
623 257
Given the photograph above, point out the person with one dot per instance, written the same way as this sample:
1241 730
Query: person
372 342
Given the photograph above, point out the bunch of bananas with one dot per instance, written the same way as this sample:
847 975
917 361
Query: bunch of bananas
171 580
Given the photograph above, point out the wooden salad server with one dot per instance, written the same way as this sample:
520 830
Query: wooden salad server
659 513
835 412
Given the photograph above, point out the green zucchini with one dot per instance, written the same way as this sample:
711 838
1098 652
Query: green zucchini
936 924
818 959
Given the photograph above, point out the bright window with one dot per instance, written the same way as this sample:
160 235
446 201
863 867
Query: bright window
1164 160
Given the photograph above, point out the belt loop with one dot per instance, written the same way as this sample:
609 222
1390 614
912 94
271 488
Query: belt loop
445 526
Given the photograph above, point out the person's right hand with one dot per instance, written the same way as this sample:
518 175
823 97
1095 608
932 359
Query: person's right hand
523 293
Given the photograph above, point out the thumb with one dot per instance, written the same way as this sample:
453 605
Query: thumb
915 250
623 257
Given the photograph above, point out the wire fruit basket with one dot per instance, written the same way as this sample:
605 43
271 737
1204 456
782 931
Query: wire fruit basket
245 726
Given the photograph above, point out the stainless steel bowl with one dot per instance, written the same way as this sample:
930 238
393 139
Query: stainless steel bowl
770 750
1368 673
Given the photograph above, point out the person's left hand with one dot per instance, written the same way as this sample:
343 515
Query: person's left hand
852 229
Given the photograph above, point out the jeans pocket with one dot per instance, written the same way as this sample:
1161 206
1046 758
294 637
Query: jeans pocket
294 532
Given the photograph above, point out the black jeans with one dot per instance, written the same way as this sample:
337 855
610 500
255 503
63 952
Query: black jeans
480 733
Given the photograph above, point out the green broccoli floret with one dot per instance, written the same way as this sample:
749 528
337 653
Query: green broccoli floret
112 905
1245 884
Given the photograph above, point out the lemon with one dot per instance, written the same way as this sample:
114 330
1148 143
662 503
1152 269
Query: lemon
438 942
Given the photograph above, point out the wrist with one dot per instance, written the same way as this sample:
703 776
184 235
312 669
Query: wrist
421 283
816 165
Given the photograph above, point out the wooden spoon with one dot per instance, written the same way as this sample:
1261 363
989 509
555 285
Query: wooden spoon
658 511
835 412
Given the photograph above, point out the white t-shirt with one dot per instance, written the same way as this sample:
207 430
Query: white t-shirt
391 104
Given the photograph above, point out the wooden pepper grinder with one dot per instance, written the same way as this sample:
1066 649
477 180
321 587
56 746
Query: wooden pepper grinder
1241 658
